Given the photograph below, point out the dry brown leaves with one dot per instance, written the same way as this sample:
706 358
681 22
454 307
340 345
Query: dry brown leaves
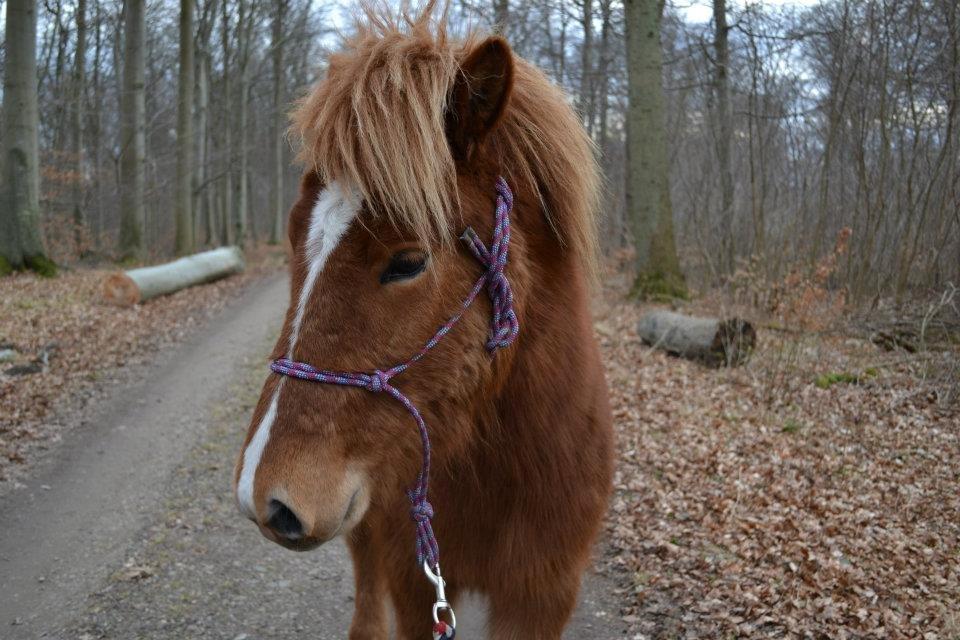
751 503
89 341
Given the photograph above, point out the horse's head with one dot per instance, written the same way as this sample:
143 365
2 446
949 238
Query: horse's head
404 139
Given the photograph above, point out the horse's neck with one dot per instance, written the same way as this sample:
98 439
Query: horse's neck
552 383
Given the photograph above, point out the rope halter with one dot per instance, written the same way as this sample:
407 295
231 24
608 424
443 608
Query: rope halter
504 328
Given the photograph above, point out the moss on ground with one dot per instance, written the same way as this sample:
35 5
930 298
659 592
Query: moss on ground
41 265
128 262
658 286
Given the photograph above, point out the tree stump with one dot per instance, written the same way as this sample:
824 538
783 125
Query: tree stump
128 288
713 341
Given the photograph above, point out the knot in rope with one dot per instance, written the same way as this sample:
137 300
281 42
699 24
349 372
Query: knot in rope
504 325
421 511
377 382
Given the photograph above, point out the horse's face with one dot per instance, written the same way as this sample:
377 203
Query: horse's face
366 295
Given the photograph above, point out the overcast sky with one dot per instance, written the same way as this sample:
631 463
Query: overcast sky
702 10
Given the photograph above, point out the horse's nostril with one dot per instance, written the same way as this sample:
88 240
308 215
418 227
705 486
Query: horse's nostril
284 521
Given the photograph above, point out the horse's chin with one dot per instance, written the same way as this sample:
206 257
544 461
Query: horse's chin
303 544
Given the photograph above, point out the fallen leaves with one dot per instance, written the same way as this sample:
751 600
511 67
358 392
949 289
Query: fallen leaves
65 344
132 572
751 503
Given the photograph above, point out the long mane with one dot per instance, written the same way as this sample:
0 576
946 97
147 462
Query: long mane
377 122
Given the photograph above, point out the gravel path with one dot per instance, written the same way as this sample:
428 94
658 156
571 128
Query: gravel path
130 531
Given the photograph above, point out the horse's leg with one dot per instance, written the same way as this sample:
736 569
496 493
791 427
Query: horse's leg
540 614
370 611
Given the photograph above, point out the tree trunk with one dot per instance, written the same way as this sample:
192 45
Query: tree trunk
586 68
96 124
501 17
128 288
279 120
226 205
724 118
244 28
243 227
21 243
649 210
201 209
132 132
79 180
604 72
61 119
710 340
203 194
185 142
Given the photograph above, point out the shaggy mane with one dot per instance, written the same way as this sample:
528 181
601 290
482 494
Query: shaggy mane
377 121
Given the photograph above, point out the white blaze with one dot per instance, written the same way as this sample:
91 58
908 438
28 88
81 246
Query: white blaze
335 209
251 457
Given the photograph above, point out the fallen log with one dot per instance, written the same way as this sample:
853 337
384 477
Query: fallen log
127 288
712 341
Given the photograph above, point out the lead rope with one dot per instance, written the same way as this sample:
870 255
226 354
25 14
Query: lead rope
504 328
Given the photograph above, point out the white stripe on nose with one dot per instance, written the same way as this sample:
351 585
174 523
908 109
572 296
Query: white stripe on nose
335 209
252 455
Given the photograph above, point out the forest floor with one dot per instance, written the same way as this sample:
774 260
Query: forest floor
813 492
87 347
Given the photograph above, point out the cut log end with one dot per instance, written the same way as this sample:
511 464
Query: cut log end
133 287
735 340
712 341
119 289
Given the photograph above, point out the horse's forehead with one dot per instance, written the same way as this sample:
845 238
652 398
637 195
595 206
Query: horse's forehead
336 206
335 209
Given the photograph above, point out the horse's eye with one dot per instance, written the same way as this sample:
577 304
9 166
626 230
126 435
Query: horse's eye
404 265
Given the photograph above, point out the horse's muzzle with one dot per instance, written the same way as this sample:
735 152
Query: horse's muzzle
297 530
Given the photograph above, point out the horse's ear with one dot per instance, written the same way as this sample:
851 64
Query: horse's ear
480 95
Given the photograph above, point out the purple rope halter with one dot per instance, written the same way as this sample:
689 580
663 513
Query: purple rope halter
503 331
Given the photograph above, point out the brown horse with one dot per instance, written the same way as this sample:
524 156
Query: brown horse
405 139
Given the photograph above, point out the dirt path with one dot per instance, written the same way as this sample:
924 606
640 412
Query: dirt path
130 530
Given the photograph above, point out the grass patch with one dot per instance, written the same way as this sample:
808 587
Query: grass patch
790 426
827 380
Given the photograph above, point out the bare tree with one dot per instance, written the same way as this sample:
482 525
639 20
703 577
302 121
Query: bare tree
501 17
585 93
184 208
245 25
648 189
279 120
204 197
77 113
724 118
21 244
226 199
132 132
